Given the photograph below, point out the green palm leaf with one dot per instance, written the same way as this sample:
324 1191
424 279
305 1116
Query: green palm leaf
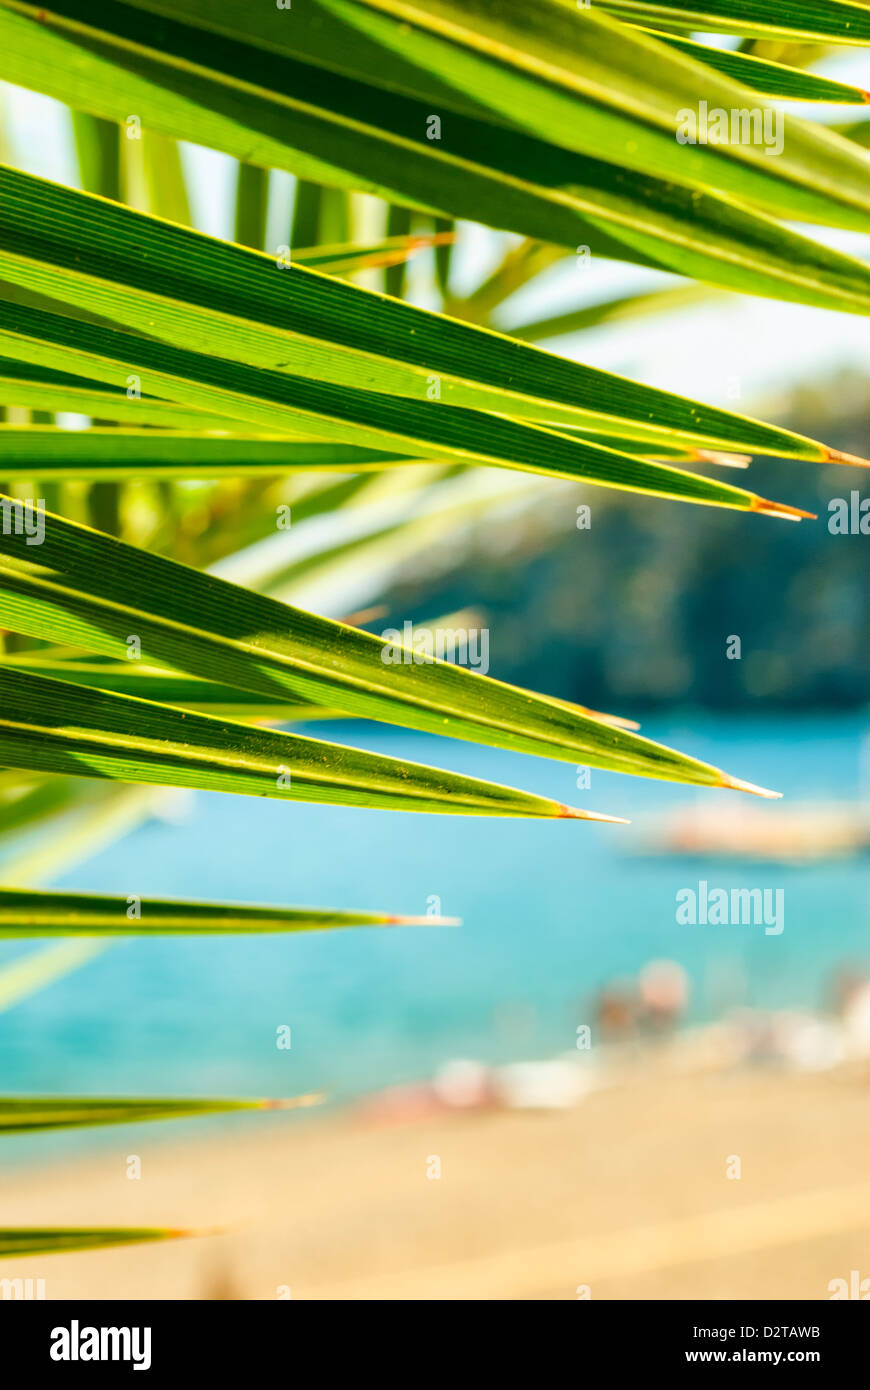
29 913
27 804
34 388
188 289
859 132
147 683
391 424
390 251
85 589
28 975
62 1240
835 21
579 80
614 310
342 130
52 453
45 451
769 78
101 814
222 361
51 726
20 1114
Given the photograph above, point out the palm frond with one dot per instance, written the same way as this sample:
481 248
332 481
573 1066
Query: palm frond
27 913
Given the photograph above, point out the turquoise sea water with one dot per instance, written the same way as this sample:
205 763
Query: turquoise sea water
551 911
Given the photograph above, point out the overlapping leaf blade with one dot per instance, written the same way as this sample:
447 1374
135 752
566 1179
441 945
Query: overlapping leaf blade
166 687
577 79
123 453
770 78
52 726
580 80
90 590
390 251
35 388
348 132
276 401
188 290
834 21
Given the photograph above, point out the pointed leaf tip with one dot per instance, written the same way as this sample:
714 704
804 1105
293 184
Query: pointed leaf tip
738 785
197 1232
837 456
423 921
573 813
293 1102
760 504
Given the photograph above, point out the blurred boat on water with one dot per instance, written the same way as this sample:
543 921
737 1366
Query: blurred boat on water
800 832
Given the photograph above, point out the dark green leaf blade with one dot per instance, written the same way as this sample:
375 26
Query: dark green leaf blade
31 913
769 78
52 726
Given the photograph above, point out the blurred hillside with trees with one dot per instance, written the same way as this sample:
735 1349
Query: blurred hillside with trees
637 611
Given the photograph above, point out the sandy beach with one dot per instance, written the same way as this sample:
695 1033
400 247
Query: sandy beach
626 1195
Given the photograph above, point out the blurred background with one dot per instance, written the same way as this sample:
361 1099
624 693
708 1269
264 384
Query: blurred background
574 1094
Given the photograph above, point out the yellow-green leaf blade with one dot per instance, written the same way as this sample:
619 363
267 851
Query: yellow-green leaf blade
273 400
45 451
834 21
85 589
23 1114
63 1240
